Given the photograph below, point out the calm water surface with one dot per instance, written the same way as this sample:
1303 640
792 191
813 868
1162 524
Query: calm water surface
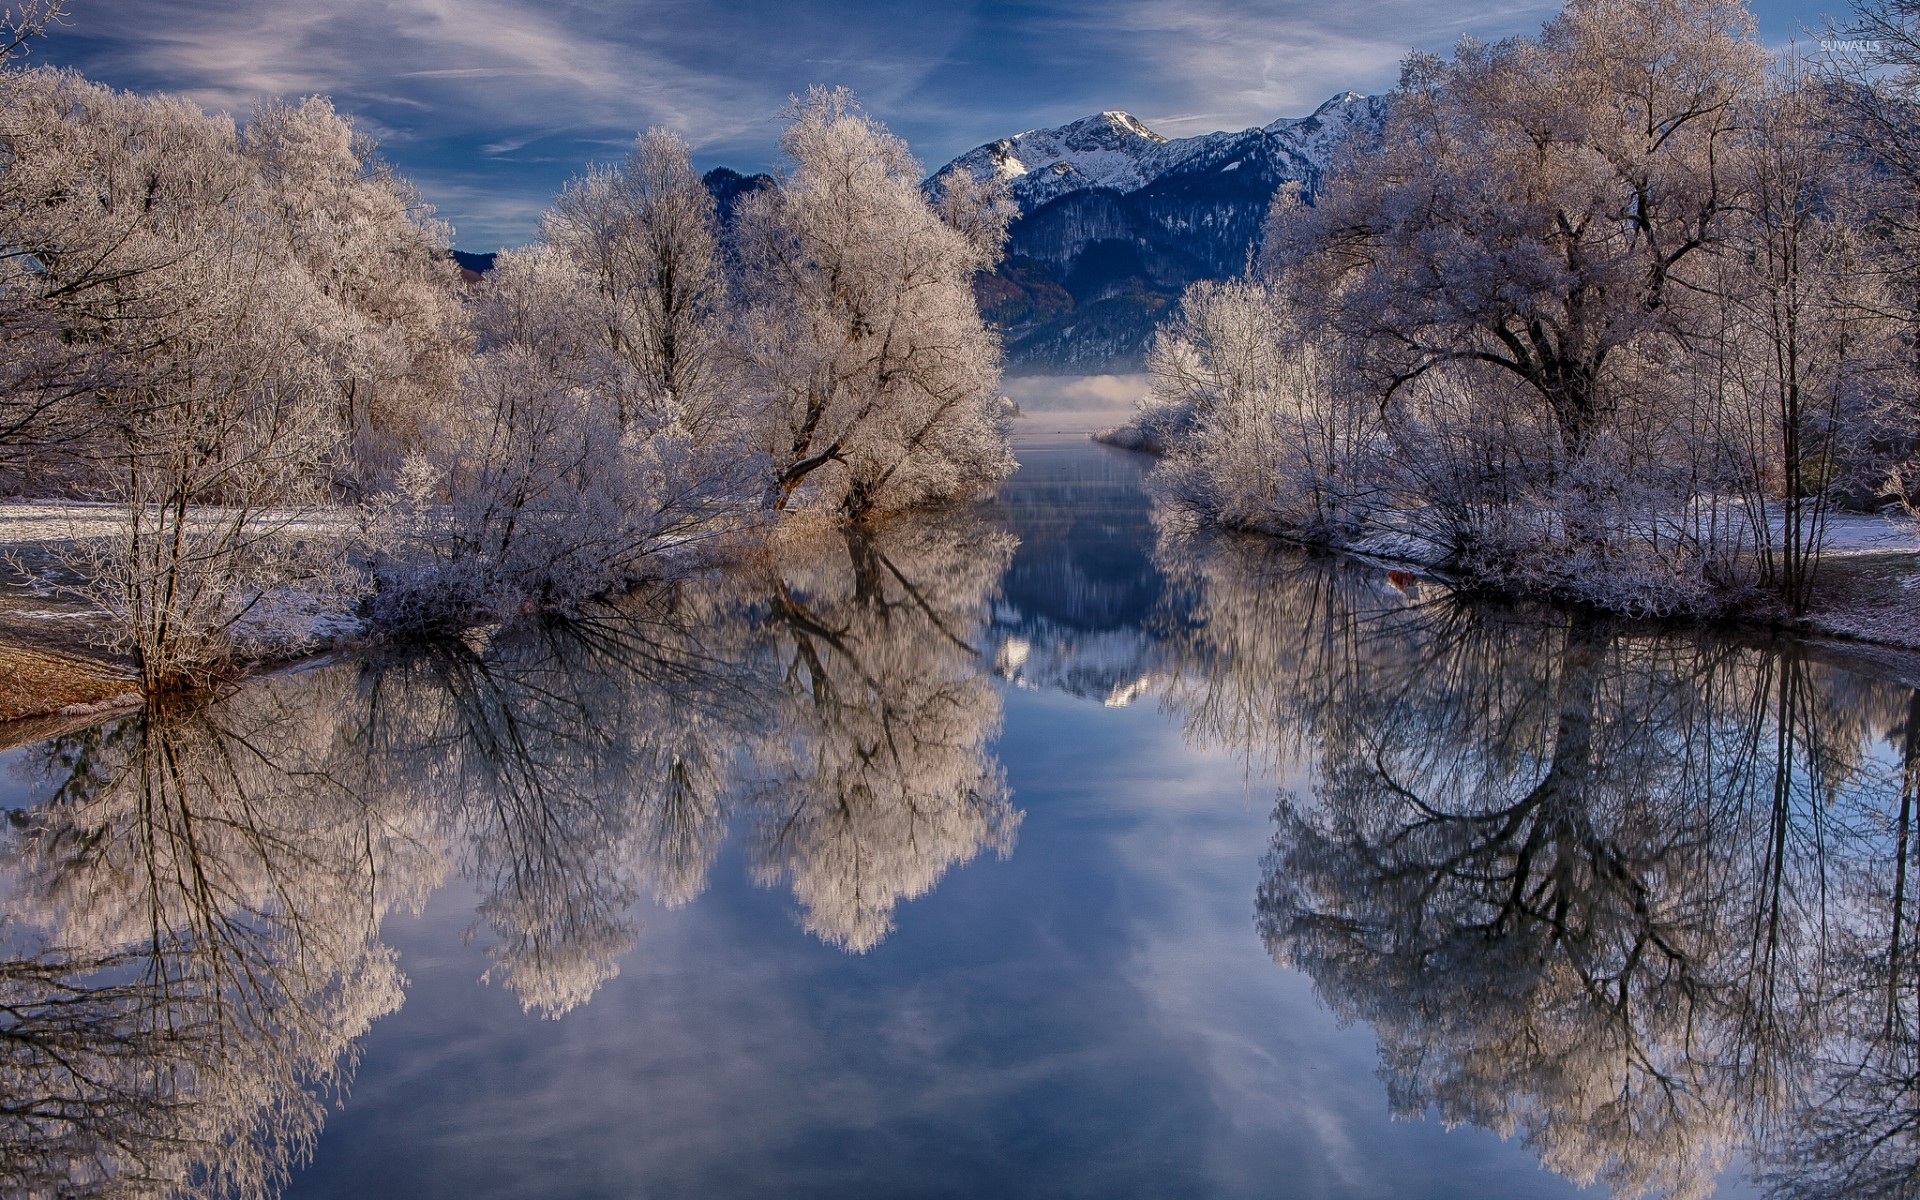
1032 850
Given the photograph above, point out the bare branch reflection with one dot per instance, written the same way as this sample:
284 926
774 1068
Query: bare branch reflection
1638 897
875 774
192 914
192 947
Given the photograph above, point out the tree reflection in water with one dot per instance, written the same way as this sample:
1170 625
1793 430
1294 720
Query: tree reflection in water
192 917
873 775
1640 897
192 946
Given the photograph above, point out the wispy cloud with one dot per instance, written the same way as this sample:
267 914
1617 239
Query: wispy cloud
508 97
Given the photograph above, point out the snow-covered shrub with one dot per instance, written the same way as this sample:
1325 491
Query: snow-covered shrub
1631 522
1257 425
557 480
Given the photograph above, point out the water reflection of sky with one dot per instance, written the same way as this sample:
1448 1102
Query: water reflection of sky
1511 818
1093 1016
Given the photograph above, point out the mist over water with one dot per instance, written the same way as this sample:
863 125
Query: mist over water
1037 848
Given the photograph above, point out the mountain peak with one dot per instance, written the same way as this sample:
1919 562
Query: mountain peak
1115 150
1109 130
1124 122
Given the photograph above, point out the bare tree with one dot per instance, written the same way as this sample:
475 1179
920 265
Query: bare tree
20 24
1804 337
1536 205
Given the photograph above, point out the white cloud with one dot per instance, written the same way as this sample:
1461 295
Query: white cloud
455 87
1201 65
478 64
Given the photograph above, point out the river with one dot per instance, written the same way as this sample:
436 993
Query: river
1036 849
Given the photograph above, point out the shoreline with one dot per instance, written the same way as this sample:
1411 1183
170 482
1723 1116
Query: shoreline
46 690
53 679
1864 606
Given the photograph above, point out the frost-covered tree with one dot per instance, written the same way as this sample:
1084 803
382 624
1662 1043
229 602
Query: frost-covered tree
388 292
1793 374
1539 206
1601 314
157 285
644 233
875 375
21 23
1258 423
1871 83
550 485
208 326
108 199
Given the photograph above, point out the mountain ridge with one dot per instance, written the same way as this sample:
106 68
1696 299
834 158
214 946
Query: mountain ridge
1114 149
1116 220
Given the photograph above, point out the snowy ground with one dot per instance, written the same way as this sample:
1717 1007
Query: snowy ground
1869 583
1854 533
39 522
41 613
29 522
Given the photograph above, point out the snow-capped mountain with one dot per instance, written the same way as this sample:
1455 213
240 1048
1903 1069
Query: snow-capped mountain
1115 150
1116 220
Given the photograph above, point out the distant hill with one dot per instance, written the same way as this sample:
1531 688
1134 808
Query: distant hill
727 186
473 265
1115 221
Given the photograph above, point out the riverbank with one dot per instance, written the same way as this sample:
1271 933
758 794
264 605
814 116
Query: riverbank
1867 593
42 689
1869 596
56 640
51 666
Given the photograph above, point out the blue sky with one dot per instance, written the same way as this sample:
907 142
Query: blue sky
489 105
